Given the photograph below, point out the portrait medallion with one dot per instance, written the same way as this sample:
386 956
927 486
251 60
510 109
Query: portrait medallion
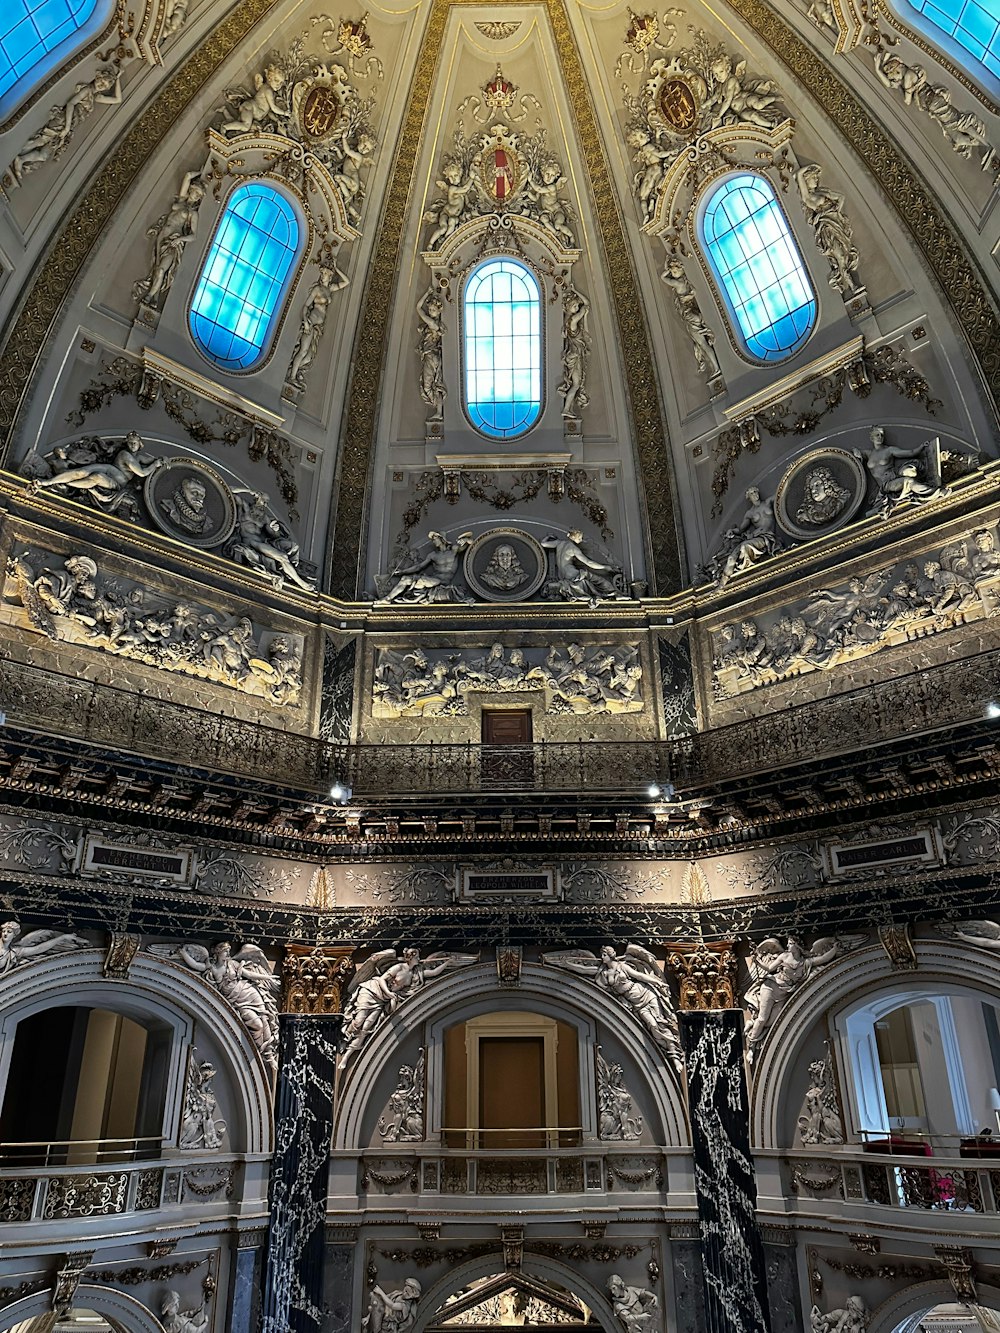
190 502
819 493
505 565
678 105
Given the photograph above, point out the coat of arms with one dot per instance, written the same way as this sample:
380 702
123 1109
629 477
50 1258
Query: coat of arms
500 168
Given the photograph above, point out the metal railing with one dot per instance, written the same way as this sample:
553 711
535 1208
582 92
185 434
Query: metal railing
941 1184
79 1152
951 694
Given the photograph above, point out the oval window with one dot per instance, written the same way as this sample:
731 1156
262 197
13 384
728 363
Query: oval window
245 277
37 36
503 348
758 268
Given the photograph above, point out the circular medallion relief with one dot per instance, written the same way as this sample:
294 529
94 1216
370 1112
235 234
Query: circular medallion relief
678 105
505 565
189 501
819 493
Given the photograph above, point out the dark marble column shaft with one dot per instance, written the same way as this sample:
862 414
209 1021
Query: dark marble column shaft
725 1181
293 1276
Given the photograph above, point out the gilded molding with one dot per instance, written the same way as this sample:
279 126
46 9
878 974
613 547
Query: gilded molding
54 276
368 359
960 277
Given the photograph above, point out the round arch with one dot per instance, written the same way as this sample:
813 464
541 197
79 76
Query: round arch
901 1312
163 990
533 1265
465 994
858 975
118 1307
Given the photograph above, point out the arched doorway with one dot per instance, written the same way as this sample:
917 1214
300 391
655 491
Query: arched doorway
951 1317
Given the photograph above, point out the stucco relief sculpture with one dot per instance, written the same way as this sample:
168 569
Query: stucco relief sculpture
171 234
892 606
779 971
685 94
616 1117
636 980
636 1309
576 353
96 470
75 603
687 307
314 315
580 578
386 981
983 934
575 679
392 1311
824 209
264 544
852 1319
502 171
403 1118
200 1126
902 473
430 578
752 540
175 14
430 349
176 1320
16 948
51 140
965 130
244 979
821 1120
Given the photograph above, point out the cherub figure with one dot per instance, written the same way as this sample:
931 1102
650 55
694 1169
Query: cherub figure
449 211
542 188
652 162
261 105
735 98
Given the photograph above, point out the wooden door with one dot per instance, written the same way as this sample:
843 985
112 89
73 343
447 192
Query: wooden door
512 1091
511 763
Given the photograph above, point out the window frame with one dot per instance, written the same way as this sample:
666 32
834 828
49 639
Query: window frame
467 278
283 301
719 290
45 73
956 58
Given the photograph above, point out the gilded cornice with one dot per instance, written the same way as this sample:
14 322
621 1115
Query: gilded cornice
361 418
56 272
962 280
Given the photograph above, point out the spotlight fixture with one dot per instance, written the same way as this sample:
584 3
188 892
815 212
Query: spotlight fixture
653 791
340 793
992 710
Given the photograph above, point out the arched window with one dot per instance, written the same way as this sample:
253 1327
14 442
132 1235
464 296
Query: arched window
963 27
245 277
758 267
37 36
503 348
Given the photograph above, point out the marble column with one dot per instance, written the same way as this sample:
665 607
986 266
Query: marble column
293 1300
732 1255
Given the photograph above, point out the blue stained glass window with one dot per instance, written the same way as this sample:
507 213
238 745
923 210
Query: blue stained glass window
503 348
758 267
972 24
245 277
36 36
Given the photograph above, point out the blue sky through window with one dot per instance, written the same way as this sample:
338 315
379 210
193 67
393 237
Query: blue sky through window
757 263
36 36
244 277
974 24
503 348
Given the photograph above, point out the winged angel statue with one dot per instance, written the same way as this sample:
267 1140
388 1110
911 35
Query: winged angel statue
17 948
780 970
637 981
381 985
244 979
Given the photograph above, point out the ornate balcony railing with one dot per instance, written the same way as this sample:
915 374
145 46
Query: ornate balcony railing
945 1184
589 1169
107 1190
951 694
